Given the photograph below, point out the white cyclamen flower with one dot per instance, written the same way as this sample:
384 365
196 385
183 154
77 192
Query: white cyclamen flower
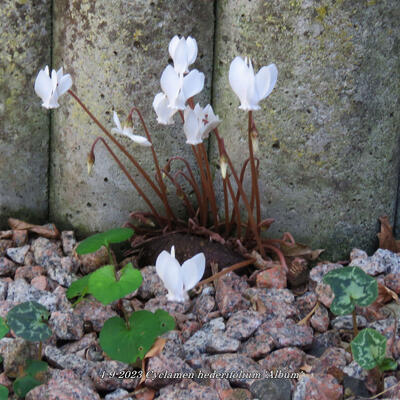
50 88
178 88
128 131
183 52
162 109
199 123
250 88
179 279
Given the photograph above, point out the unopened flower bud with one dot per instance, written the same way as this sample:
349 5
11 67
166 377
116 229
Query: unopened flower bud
128 124
90 162
223 165
254 140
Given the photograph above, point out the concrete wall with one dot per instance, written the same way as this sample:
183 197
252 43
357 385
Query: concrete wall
25 36
329 132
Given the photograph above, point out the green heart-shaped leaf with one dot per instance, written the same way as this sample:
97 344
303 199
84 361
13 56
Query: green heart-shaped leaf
94 242
166 322
28 320
3 393
126 344
3 328
351 286
388 364
368 348
106 289
25 384
79 287
34 367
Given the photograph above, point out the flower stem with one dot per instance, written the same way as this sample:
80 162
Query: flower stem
129 176
222 150
204 209
211 192
163 188
119 145
254 175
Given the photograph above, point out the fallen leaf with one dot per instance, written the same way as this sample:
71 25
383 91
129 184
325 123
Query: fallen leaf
48 231
385 295
385 236
155 350
298 249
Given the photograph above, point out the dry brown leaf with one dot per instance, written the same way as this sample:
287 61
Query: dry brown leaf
385 236
154 351
260 306
49 232
385 295
299 249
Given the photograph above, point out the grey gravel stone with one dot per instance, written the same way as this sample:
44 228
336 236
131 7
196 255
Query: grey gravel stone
19 291
222 344
355 371
59 359
346 322
152 285
317 273
17 254
119 394
7 267
95 312
66 325
3 289
382 261
68 242
198 342
267 389
243 323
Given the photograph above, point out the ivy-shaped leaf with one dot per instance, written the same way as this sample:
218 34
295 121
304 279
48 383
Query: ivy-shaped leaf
3 393
351 286
127 343
35 367
29 321
3 328
368 348
94 242
388 364
105 288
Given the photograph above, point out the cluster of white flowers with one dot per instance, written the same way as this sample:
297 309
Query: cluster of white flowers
179 85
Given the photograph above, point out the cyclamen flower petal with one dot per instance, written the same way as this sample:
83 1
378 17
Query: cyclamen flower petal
50 88
128 131
250 88
193 84
199 123
171 84
162 109
183 52
178 280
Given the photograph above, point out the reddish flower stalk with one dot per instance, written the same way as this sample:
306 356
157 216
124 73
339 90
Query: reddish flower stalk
192 180
236 210
161 182
204 186
254 175
128 175
180 192
226 208
213 202
222 151
119 145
